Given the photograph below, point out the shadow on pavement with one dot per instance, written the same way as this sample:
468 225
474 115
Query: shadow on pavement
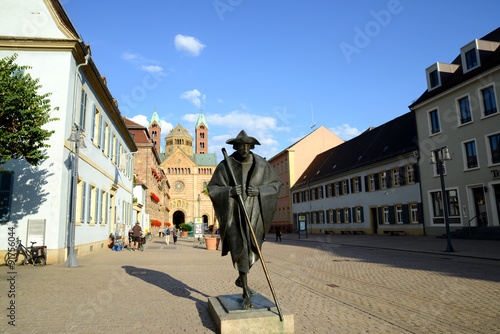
174 287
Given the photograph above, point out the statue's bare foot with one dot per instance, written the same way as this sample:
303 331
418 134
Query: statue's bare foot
239 285
247 303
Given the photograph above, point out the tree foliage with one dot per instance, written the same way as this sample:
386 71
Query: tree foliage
23 113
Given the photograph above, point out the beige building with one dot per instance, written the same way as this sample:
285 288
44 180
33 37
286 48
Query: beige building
189 172
459 112
290 163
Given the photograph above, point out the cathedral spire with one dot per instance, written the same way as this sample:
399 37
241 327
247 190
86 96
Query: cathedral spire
201 130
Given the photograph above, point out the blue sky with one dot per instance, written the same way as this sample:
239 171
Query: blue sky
274 67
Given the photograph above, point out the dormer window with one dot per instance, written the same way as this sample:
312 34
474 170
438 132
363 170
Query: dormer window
434 79
471 59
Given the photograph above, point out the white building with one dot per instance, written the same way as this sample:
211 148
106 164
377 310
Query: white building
459 111
44 38
368 184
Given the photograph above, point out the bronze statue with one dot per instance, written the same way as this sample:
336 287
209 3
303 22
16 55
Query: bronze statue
244 187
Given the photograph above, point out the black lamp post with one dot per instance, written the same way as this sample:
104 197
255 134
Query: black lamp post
77 138
437 157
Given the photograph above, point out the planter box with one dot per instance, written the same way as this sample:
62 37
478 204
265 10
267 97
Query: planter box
212 243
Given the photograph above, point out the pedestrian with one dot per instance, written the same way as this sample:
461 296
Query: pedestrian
258 186
167 236
174 233
278 233
130 238
136 235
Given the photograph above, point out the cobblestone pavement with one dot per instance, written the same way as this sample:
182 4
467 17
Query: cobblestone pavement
339 284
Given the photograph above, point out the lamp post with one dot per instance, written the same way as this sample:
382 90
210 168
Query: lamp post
437 157
77 138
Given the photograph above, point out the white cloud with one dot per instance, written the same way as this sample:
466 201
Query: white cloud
220 100
144 64
345 131
152 68
141 119
194 96
188 44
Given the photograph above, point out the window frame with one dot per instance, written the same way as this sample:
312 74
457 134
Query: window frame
465 154
483 101
430 121
489 150
461 120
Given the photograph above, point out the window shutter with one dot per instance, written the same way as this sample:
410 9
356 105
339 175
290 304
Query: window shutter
416 171
342 216
362 215
420 212
379 209
366 183
84 199
392 219
352 184
377 181
402 175
388 178
353 215
93 125
359 182
334 216
406 215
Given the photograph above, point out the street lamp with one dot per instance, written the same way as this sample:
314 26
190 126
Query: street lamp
437 157
77 138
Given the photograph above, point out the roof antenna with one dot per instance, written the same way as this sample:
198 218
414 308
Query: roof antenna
312 115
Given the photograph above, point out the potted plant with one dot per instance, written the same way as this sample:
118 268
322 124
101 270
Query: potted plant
212 242
185 228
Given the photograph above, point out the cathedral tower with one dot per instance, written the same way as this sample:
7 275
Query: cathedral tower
201 130
154 129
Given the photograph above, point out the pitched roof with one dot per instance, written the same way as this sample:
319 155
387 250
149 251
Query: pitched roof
389 140
201 119
154 118
488 60
179 131
205 159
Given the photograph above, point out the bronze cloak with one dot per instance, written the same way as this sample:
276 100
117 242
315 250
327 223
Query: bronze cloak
234 232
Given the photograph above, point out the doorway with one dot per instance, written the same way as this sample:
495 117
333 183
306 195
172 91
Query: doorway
178 218
480 206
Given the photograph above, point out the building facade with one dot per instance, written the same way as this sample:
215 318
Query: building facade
189 174
459 112
368 184
150 176
40 197
290 163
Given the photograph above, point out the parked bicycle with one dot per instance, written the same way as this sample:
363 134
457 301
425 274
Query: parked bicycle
149 236
23 255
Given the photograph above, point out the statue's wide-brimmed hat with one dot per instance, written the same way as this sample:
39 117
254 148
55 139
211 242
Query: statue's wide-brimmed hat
243 138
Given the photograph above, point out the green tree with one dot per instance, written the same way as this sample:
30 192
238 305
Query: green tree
23 113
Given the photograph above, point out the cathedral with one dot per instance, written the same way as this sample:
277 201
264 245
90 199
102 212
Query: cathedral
188 171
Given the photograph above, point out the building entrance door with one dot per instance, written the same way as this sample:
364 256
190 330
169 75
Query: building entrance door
480 207
178 218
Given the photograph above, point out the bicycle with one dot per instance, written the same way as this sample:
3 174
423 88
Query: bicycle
23 255
200 241
149 236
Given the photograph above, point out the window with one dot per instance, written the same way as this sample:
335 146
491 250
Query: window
347 215
385 214
359 214
80 210
383 180
202 145
94 130
434 78
410 174
471 59
470 154
83 109
434 122
88 217
337 189
371 179
438 208
6 181
339 216
345 187
414 213
489 101
465 115
494 142
321 217
330 213
104 210
395 177
357 184
399 214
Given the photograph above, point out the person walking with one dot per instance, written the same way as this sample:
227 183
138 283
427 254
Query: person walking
136 235
278 233
174 233
167 236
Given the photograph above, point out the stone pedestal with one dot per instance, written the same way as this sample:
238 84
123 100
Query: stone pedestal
262 318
